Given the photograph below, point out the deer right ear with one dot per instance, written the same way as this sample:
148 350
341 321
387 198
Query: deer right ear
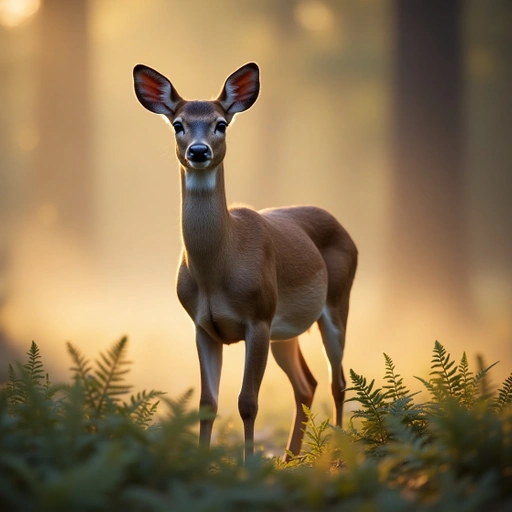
241 89
154 91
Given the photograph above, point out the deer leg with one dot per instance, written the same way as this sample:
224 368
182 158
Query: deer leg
257 342
210 363
332 330
290 359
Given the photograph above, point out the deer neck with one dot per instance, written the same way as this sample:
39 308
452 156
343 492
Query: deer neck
205 219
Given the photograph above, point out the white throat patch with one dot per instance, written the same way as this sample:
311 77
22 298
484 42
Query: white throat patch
200 181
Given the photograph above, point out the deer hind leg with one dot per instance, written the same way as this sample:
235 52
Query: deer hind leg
290 359
332 324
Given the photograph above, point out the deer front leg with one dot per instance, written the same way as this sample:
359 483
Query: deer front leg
257 343
210 363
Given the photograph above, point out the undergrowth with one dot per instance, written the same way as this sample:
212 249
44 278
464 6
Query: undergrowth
94 445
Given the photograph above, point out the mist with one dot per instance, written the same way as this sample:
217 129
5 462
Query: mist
401 131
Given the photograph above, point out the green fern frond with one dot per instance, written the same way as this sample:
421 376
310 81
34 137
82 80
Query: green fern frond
146 414
482 377
465 389
316 436
504 396
366 395
104 384
110 375
402 405
15 390
352 431
411 416
445 375
82 366
179 431
395 386
82 373
179 406
466 375
140 407
373 410
437 393
34 365
402 433
456 381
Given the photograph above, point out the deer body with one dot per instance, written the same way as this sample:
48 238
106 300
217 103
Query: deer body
246 275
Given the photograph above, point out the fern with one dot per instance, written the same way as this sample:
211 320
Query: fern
103 384
179 407
179 433
82 374
316 435
110 375
50 458
317 438
373 410
458 382
482 378
34 365
31 377
445 375
141 408
465 388
504 396
395 386
15 392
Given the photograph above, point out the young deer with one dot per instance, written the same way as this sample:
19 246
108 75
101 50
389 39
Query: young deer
244 275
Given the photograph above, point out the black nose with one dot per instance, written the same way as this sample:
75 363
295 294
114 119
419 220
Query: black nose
198 153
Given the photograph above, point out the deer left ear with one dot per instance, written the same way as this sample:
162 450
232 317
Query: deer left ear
241 89
154 91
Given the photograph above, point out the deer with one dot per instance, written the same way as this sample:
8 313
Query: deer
262 277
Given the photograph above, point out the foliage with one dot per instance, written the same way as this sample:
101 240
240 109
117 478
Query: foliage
456 448
91 445
316 439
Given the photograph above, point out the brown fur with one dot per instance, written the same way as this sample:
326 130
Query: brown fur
247 275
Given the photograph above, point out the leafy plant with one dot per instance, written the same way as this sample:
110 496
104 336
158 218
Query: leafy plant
91 445
458 382
504 396
456 447
394 382
316 440
374 409
105 384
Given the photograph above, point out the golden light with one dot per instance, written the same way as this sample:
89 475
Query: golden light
15 12
28 137
314 15
47 214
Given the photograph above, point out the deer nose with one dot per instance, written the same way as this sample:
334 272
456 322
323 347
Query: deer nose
198 153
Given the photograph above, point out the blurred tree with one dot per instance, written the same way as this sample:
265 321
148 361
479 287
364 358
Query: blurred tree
17 140
428 250
62 185
281 33
489 93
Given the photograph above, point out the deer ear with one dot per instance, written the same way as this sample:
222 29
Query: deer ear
241 89
154 91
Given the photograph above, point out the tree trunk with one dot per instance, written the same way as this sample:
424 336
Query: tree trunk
428 254
62 182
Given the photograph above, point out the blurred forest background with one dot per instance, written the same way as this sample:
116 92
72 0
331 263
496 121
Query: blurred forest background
395 115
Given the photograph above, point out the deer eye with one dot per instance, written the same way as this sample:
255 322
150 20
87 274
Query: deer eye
221 127
178 127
